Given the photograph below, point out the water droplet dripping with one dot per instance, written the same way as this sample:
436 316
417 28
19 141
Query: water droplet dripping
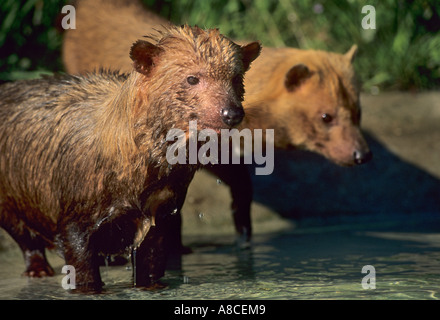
185 279
106 260
201 215
219 181
134 266
174 212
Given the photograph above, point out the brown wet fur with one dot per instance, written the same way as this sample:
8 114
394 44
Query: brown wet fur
287 89
82 158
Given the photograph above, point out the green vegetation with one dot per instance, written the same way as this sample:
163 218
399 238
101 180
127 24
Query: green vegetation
403 52
29 42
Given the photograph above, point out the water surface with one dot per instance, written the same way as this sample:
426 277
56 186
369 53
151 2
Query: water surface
306 263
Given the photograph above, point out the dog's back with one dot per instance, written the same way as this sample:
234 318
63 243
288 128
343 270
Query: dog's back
105 31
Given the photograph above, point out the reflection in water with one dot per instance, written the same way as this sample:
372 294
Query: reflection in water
306 265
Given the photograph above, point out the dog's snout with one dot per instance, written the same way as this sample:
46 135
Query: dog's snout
362 156
232 115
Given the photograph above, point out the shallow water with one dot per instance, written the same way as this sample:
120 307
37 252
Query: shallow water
306 263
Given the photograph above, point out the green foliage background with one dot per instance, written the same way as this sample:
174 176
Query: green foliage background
403 52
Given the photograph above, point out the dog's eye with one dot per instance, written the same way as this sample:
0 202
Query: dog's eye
326 118
192 80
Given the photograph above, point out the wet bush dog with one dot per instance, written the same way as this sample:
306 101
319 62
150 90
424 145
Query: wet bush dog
82 158
310 98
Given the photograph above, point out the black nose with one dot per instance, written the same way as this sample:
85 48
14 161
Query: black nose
361 157
232 115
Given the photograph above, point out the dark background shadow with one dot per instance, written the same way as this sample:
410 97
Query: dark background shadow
305 185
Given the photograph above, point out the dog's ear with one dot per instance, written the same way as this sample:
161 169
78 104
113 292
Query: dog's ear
144 55
250 52
296 76
351 54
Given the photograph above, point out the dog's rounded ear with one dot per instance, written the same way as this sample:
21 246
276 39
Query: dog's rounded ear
296 76
351 54
144 55
250 52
